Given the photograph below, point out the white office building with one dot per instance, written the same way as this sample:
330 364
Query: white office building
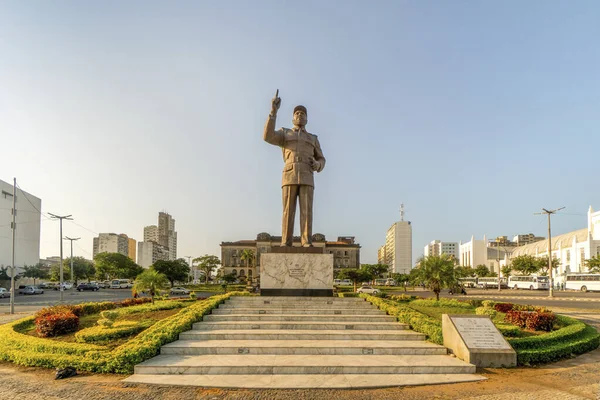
111 243
479 252
28 218
398 247
437 248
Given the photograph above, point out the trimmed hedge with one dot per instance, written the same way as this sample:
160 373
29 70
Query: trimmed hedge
99 334
347 294
37 352
441 303
574 338
418 321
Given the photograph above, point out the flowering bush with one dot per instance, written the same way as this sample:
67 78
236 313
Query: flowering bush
56 324
503 307
534 320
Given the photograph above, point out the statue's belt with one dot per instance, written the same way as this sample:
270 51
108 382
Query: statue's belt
294 160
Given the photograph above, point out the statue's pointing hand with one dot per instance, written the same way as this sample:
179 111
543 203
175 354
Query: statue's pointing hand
275 103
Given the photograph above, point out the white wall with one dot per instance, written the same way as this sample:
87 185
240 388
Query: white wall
27 248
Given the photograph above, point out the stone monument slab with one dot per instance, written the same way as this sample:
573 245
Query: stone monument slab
296 274
476 340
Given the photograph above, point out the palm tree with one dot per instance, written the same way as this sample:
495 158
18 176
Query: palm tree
151 281
436 272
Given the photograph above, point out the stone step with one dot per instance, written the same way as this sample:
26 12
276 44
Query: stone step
308 306
323 381
300 302
299 317
293 299
303 347
258 334
303 364
302 325
282 311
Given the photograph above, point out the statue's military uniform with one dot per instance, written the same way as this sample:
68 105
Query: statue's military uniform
300 150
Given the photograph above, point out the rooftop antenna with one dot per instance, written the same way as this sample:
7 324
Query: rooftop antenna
402 212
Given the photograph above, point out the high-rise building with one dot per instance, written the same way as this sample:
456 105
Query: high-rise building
381 255
151 233
167 237
132 249
150 252
437 248
27 244
398 247
111 243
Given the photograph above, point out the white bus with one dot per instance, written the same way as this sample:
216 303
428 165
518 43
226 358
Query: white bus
121 284
491 282
469 282
583 282
531 282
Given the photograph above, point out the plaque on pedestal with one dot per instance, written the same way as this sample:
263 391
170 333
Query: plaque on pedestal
296 273
476 340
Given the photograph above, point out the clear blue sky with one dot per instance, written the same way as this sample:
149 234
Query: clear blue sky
473 114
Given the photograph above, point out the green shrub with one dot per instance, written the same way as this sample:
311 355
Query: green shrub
193 296
486 311
402 297
573 329
99 334
442 303
418 321
106 323
347 294
508 330
488 303
109 314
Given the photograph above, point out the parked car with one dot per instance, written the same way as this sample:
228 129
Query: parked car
48 285
179 290
367 289
87 286
65 285
4 293
31 290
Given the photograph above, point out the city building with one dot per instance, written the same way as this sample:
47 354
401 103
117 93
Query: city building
481 252
381 255
167 237
522 240
132 247
50 261
150 252
571 249
398 247
28 219
111 243
345 250
437 248
151 233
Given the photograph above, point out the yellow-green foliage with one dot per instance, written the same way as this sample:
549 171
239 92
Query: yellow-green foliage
106 323
110 315
99 334
31 351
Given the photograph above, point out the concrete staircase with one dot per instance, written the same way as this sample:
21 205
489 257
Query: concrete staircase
301 342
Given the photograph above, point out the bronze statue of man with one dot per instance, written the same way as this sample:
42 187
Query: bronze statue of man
302 156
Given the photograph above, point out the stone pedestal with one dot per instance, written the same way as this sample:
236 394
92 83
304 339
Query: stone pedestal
296 272
476 340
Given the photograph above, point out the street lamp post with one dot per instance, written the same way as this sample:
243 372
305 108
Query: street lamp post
67 217
550 274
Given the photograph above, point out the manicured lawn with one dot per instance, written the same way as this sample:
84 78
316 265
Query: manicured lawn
436 312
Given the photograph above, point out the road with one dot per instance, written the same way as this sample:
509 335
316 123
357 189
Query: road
28 303
565 299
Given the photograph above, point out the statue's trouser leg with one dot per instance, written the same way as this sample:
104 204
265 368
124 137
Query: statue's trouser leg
289 194
306 211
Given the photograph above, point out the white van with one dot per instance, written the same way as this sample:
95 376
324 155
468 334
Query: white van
121 284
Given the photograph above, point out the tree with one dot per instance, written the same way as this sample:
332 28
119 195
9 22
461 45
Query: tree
37 271
481 271
463 272
525 264
207 264
436 272
150 281
401 279
116 265
593 264
542 263
506 271
5 274
174 270
82 269
356 275
248 256
376 270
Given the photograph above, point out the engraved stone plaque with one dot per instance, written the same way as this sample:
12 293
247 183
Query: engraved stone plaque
475 339
296 274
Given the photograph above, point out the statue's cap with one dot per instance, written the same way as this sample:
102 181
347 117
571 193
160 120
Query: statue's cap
301 108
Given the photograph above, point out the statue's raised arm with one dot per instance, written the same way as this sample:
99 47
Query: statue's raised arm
269 135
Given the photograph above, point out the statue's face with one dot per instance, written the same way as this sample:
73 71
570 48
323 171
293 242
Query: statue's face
299 118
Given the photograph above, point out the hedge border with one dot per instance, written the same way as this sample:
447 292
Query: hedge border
574 338
36 352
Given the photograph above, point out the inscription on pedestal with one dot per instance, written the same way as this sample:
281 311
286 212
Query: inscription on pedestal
480 333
